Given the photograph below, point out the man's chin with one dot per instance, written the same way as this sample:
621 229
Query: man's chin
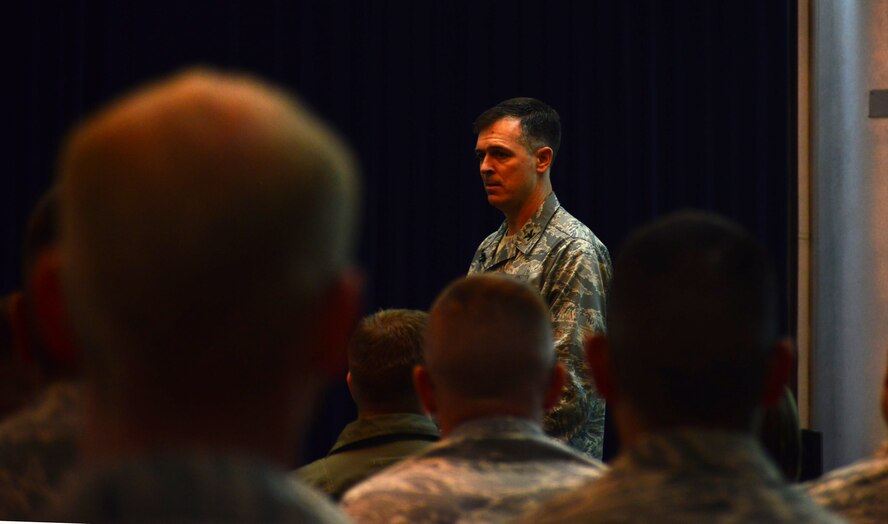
496 203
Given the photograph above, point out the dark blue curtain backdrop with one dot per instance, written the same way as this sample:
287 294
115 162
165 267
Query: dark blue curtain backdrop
664 105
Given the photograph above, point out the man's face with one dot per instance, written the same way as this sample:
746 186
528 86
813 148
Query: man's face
508 169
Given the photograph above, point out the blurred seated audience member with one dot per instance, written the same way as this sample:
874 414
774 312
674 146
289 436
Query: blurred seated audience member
781 436
206 241
38 443
691 358
490 375
391 423
858 492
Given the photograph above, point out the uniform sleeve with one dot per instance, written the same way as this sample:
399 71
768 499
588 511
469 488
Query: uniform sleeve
579 278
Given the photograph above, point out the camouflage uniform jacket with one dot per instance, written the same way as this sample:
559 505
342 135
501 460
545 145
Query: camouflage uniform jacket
687 476
561 258
191 488
38 447
366 446
858 492
486 470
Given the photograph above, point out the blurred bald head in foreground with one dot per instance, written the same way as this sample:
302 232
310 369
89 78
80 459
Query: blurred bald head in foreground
207 236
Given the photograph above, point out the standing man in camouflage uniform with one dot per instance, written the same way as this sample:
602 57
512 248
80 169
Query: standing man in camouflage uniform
691 358
490 374
858 492
543 245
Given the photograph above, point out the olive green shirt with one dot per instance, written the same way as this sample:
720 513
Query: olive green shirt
366 446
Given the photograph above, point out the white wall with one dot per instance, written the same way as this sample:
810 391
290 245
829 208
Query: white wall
849 227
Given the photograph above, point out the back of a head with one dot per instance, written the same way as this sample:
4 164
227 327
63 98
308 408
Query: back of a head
201 217
692 320
540 124
382 353
490 340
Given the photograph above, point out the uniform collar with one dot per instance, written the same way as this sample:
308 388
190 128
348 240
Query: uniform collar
393 424
700 451
525 238
499 427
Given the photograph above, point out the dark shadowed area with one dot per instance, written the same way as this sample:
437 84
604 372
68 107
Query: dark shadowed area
664 105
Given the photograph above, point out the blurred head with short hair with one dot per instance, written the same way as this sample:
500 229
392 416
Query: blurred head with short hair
208 226
692 335
489 352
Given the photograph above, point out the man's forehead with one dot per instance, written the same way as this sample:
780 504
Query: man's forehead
506 129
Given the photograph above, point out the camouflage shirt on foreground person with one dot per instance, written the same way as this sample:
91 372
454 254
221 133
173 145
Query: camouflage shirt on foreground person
566 263
687 476
193 487
486 470
38 448
858 492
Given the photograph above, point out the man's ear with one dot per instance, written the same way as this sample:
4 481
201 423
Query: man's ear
598 361
556 386
544 157
336 322
348 382
50 314
777 373
425 389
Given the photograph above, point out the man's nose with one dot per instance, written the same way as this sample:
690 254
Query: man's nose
486 168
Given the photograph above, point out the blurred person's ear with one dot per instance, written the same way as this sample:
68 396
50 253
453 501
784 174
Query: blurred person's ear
20 329
598 361
777 372
336 319
425 389
556 386
51 315
19 372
